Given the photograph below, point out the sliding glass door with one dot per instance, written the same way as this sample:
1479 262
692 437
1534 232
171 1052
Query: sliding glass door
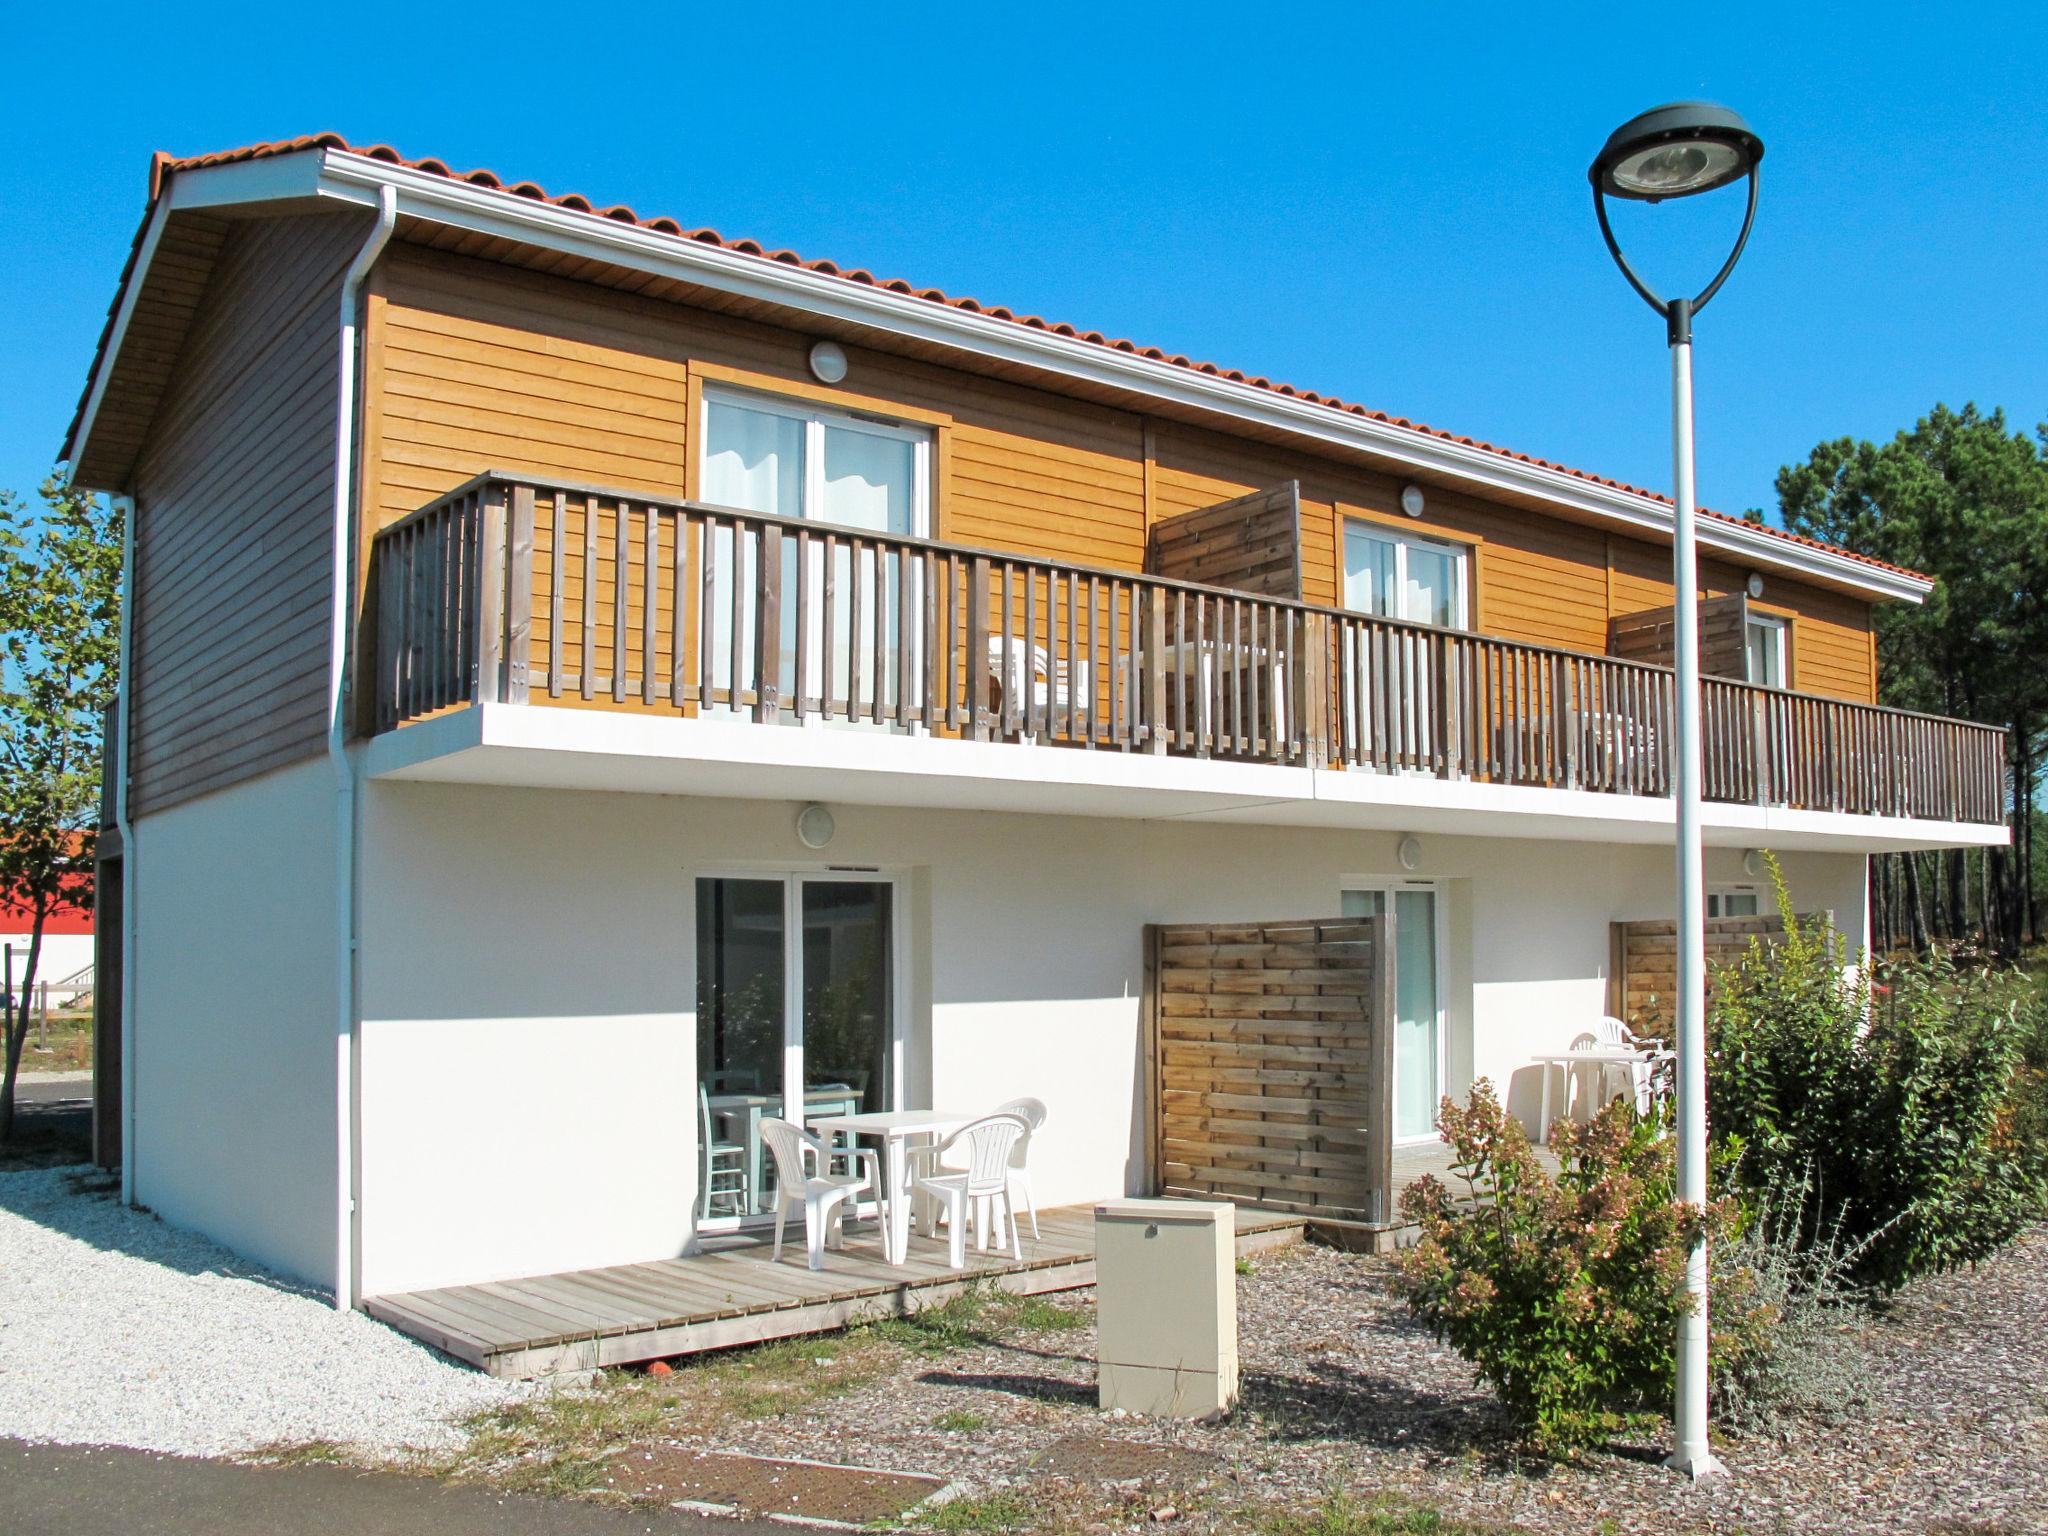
1418 998
788 458
796 1006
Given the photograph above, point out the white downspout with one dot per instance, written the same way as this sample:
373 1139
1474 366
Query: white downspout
123 734
342 600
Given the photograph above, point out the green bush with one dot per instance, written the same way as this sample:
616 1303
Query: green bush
1565 1293
1794 1344
1897 1091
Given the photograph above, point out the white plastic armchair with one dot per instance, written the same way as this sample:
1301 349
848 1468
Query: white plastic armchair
1032 1112
1037 684
981 1186
1613 1034
803 1176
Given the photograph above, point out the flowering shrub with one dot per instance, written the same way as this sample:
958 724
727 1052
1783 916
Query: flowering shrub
1899 1091
1565 1292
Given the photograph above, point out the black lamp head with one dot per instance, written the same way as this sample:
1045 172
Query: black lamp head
1677 150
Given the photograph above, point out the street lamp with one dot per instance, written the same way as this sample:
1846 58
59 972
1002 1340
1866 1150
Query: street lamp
1682 150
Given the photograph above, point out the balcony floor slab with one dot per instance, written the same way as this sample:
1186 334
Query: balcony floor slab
542 746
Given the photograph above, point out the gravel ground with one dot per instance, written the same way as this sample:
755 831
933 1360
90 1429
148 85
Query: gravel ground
1341 1387
117 1329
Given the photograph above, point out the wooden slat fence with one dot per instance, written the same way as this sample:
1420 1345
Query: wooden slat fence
512 589
1249 543
1272 1064
1642 974
1652 635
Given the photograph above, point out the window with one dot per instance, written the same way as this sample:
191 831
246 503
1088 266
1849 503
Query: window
795 460
1419 951
796 995
790 459
1733 901
1764 647
1399 577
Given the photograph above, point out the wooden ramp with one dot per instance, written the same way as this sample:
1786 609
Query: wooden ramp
732 1294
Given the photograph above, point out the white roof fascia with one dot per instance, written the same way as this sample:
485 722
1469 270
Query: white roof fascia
494 211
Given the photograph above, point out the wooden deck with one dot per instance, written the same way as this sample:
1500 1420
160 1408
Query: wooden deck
732 1294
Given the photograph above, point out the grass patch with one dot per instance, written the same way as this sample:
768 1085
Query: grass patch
305 1453
70 1049
558 1442
1344 1514
979 1315
1245 1266
983 1512
961 1421
770 1379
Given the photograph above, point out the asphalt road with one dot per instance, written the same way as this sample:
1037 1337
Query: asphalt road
30 1088
98 1491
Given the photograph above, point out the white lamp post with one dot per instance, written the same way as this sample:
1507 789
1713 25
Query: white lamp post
1679 151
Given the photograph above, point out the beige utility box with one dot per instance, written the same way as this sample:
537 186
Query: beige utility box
1166 1306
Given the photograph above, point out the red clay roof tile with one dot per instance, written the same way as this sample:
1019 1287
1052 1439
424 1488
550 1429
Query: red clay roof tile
162 166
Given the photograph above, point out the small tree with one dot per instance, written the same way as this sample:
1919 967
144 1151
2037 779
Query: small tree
60 577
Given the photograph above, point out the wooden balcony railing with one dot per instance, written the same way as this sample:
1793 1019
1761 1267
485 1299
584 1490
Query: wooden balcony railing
516 590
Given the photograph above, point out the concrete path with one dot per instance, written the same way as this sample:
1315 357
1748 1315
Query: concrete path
98 1491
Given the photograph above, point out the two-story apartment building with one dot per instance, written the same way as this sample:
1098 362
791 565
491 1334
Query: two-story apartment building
616 668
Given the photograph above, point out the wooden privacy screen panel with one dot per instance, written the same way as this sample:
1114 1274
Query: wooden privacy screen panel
1250 543
1273 1064
1648 636
1642 975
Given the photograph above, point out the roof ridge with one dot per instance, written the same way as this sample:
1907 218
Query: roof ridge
164 166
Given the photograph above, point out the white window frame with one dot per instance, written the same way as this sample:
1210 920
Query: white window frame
1717 900
794 877
816 418
1459 554
1781 644
1439 891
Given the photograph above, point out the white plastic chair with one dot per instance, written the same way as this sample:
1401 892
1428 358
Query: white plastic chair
1032 1112
724 1165
1612 1034
802 1163
1037 685
981 1186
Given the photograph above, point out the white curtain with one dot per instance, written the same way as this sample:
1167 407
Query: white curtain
753 459
870 481
1368 572
1429 592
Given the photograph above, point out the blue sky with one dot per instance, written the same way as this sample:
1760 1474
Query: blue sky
1385 203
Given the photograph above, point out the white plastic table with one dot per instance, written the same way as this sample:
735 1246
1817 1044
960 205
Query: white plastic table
895 1129
1591 1056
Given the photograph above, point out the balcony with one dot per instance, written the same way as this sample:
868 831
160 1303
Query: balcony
510 590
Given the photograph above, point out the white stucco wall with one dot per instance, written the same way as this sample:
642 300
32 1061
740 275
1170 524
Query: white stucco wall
527 1072
235 1018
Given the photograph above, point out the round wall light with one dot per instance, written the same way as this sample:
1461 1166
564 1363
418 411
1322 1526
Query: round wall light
815 826
828 362
1412 500
1409 852
1753 863
1755 585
